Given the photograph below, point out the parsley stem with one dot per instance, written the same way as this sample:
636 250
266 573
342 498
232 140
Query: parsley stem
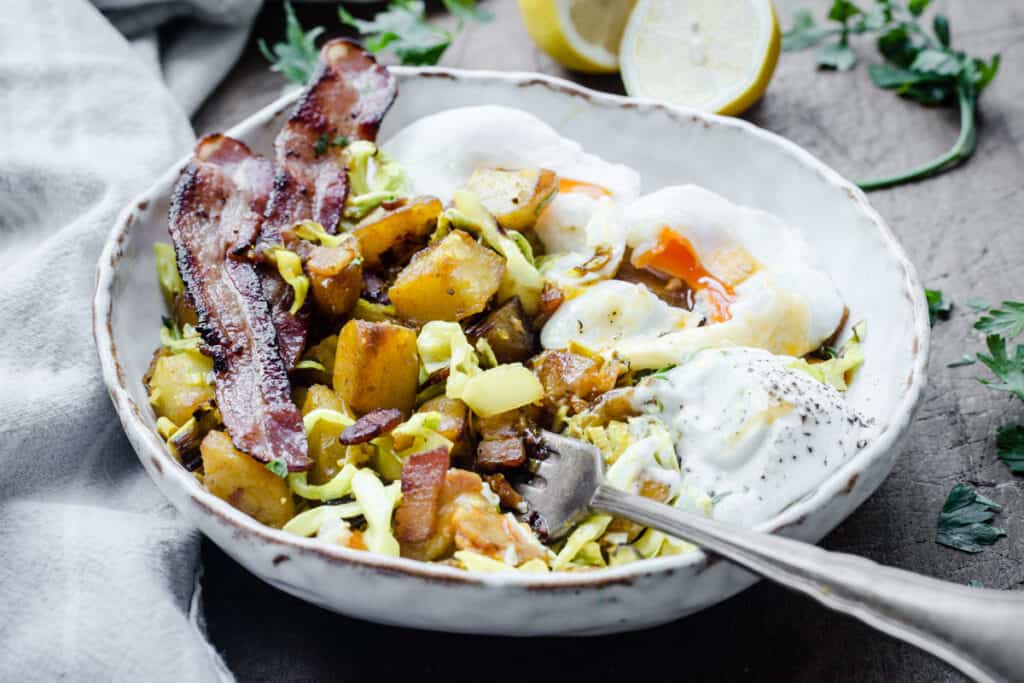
961 150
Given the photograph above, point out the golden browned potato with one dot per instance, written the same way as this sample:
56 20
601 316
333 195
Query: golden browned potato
376 366
178 384
449 280
508 332
336 277
245 482
382 232
515 197
325 450
573 379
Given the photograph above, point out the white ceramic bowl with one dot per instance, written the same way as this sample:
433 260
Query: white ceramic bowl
667 146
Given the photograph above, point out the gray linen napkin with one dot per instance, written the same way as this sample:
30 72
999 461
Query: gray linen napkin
98 574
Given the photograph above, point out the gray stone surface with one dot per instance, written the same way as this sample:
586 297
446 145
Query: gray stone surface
963 231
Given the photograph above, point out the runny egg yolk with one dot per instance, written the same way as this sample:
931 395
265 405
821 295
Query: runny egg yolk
675 256
568 185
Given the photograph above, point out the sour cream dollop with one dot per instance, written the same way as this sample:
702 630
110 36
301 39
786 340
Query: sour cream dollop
751 432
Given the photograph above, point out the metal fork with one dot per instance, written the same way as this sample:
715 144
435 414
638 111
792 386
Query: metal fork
976 630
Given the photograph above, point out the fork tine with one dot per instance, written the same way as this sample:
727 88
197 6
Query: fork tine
545 468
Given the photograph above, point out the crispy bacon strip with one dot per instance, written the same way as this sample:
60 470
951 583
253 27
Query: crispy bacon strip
370 426
217 204
347 98
423 477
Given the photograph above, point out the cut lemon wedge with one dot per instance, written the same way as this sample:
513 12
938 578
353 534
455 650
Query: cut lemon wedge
713 55
582 35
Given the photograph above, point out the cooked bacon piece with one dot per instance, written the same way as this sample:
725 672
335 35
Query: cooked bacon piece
467 521
423 477
371 425
500 454
345 100
217 205
551 298
509 497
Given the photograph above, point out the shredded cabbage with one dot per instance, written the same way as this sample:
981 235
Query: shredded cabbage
178 341
309 522
375 313
483 347
521 278
311 231
339 486
834 371
378 502
167 270
164 427
310 365
534 566
372 183
289 265
444 345
314 417
475 562
590 556
588 531
421 429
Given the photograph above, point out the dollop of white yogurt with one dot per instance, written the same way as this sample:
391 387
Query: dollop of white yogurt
751 432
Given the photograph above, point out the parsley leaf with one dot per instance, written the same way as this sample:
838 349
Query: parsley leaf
963 522
1010 447
1009 370
278 467
977 303
297 58
1008 320
938 307
403 29
466 10
805 32
964 360
323 142
920 65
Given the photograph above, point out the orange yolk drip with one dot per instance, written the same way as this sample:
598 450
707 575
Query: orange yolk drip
567 185
674 255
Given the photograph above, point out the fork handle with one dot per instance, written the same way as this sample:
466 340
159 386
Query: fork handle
974 629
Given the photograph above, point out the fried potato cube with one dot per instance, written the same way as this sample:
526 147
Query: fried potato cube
336 277
245 482
450 280
376 366
515 197
379 233
325 450
178 385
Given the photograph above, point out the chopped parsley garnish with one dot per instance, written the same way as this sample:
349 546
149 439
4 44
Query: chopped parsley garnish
938 307
1008 320
1010 447
278 467
977 304
919 64
1009 370
403 29
964 521
297 57
324 141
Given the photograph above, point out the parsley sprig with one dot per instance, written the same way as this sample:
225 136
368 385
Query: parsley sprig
1008 320
1008 369
297 57
938 307
1010 447
964 520
919 64
401 28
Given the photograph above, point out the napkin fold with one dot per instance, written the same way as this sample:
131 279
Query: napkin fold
98 574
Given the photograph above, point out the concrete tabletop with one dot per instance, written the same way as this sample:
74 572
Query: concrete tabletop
963 230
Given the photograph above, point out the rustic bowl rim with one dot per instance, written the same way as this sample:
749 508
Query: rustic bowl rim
147 445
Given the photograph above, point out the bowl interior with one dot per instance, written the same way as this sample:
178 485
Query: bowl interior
667 146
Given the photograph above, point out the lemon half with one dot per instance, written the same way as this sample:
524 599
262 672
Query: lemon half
582 35
713 55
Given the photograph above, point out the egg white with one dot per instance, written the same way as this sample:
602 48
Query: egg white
609 312
783 303
441 151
